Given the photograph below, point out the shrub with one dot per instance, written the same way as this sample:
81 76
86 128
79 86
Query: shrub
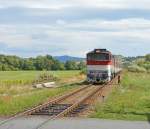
46 77
148 70
135 68
147 57
146 66
83 71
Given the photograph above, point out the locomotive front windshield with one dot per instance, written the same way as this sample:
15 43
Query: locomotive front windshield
98 56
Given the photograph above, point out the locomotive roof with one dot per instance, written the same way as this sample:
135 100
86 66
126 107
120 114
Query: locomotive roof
99 51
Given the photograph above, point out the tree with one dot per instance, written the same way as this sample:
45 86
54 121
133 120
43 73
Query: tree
58 65
39 63
1 67
81 65
71 65
28 65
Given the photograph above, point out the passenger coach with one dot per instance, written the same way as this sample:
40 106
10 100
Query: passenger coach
102 66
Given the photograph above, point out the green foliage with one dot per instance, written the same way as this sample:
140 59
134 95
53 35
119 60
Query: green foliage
47 77
146 66
28 65
71 65
141 64
9 63
147 57
136 68
81 65
83 71
57 65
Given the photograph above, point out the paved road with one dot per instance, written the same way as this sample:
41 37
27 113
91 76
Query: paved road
74 123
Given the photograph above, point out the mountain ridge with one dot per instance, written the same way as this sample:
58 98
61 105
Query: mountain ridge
65 58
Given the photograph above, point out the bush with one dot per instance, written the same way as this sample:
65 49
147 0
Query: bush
146 66
46 77
147 57
148 71
135 68
83 71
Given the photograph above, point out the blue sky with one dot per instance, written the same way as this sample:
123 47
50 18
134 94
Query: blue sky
73 27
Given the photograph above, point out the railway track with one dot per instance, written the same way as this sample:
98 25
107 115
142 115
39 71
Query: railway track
55 108
37 108
66 105
74 105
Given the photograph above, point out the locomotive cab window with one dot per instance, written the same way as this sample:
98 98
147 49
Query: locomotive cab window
98 56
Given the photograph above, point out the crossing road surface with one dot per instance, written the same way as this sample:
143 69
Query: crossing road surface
74 123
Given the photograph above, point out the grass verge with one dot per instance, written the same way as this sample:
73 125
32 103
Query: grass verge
130 101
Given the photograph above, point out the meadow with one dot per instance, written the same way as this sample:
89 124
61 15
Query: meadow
15 82
29 76
18 94
128 101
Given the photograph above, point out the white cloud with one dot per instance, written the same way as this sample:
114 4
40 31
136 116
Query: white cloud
140 4
78 38
60 22
51 4
51 28
116 25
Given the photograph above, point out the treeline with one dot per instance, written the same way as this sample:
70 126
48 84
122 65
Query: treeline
8 63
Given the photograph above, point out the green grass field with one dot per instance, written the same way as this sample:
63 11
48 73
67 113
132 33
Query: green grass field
31 75
13 82
130 101
16 96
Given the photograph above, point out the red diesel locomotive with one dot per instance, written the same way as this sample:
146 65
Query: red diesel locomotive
102 66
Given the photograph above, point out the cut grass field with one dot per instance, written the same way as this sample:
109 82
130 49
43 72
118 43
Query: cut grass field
15 98
129 101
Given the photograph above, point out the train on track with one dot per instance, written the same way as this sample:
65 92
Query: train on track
102 66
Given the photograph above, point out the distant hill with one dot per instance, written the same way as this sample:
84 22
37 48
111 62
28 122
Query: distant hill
68 58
